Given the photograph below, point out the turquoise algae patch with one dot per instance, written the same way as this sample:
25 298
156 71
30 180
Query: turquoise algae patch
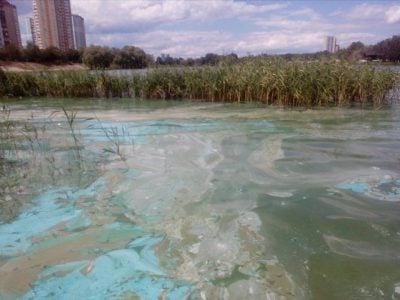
78 223
354 186
386 188
50 208
111 275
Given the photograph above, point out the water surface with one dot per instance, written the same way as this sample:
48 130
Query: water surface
200 201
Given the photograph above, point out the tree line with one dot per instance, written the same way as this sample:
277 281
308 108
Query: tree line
32 53
101 57
131 57
386 50
95 57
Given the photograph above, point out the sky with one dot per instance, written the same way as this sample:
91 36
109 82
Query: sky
192 28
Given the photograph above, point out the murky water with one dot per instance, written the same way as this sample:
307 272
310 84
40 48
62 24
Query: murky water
200 201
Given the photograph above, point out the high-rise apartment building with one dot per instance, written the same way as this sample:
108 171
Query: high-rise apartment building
45 23
64 24
53 24
26 27
78 27
331 45
9 27
30 24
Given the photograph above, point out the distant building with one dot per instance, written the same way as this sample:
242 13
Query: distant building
45 23
30 25
52 22
330 44
26 30
9 27
64 24
78 28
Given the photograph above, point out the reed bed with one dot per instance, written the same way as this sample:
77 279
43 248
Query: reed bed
271 81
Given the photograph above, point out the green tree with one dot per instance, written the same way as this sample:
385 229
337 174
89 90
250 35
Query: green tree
32 53
97 57
10 52
52 55
388 49
354 46
210 59
73 55
131 57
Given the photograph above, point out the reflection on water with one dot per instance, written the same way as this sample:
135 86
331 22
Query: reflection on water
203 201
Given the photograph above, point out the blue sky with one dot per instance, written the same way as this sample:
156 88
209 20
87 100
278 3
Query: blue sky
191 28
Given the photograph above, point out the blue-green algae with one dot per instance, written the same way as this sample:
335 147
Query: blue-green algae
134 269
48 210
387 188
357 187
215 202
80 222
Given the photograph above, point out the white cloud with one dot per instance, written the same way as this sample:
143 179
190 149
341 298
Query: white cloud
366 11
346 39
142 15
296 22
158 26
281 42
393 14
373 12
198 43
182 43
306 12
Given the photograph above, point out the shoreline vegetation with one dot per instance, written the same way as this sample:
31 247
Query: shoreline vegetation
255 79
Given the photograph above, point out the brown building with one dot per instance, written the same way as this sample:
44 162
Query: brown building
53 24
9 27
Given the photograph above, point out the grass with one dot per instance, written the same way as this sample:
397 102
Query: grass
266 80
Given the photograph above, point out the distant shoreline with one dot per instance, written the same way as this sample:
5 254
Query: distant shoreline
30 66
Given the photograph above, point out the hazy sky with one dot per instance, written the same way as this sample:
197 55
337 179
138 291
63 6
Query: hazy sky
194 27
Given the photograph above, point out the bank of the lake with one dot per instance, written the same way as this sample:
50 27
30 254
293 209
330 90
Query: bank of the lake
16 66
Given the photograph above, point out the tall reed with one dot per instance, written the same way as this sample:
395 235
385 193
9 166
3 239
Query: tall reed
267 80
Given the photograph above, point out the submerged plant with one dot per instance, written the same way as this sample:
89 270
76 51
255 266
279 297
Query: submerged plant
31 159
117 138
71 116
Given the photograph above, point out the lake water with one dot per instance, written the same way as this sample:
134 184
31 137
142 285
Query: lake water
178 200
